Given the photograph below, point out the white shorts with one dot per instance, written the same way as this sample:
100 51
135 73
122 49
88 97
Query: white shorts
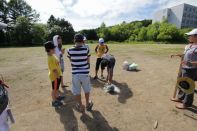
4 121
79 81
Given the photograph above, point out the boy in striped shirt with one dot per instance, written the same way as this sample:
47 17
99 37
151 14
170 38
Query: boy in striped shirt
79 57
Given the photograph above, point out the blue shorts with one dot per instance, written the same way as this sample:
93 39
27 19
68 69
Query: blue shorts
79 81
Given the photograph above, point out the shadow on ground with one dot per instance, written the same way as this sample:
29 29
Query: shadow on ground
97 122
125 91
66 113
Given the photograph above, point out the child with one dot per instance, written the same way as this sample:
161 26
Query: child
59 52
55 73
100 49
109 62
79 57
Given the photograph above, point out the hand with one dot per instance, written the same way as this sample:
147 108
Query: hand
184 63
172 56
63 51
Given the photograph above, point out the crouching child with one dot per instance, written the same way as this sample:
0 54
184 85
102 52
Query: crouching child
109 62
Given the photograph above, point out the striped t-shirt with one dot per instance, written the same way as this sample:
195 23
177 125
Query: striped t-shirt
79 59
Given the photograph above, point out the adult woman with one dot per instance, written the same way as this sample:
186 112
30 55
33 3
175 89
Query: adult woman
189 69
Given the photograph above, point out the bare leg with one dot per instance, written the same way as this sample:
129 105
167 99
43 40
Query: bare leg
78 99
62 81
87 96
102 72
53 95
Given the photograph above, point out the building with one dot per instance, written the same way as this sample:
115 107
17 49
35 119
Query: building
183 16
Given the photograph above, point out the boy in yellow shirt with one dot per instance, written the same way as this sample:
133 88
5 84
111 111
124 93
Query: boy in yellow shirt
100 49
55 73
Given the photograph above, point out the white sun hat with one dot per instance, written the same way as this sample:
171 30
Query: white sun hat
193 32
101 40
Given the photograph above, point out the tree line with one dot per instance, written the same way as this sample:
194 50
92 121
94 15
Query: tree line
23 27
143 30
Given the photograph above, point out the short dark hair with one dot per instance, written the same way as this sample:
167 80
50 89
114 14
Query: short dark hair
104 63
48 46
78 38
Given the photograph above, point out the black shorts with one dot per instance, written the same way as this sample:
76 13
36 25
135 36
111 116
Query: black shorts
56 84
98 62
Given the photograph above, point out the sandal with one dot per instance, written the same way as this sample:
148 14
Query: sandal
176 100
64 86
181 106
60 98
80 108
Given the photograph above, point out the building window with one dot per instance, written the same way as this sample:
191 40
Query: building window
185 8
188 15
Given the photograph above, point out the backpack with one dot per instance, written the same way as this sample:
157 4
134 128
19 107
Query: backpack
3 97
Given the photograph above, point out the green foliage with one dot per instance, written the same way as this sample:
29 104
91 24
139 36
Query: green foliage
142 31
90 34
19 8
60 27
22 32
39 33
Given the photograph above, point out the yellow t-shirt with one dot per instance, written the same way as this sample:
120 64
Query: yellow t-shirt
101 49
53 64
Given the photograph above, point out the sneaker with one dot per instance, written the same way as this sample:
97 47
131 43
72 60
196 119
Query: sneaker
60 98
89 106
96 77
56 104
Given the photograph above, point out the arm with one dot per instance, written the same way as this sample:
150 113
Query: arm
179 55
55 73
109 75
96 49
107 49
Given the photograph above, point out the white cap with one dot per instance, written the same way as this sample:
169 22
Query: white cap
193 32
101 40
84 38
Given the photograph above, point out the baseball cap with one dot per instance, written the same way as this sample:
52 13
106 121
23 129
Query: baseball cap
101 40
78 38
193 32
49 45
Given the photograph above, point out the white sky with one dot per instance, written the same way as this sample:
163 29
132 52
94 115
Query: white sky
86 14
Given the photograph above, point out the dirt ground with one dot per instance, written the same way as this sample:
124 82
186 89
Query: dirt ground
144 98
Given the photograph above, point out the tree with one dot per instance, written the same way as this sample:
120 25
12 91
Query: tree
3 11
51 21
22 32
39 32
142 34
60 27
90 34
153 31
167 32
19 8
